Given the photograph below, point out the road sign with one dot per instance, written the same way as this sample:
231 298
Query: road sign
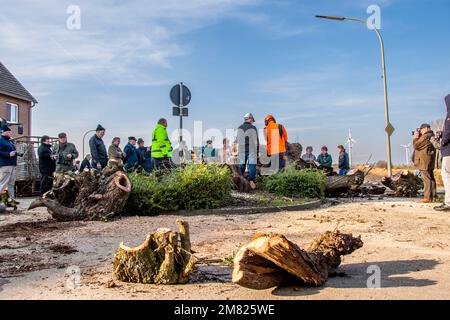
176 112
175 95
390 129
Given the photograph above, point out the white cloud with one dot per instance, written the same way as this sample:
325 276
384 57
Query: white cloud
124 40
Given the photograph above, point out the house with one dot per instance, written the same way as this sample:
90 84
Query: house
16 102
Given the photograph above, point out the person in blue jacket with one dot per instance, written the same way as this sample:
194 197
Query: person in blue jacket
131 159
445 152
8 164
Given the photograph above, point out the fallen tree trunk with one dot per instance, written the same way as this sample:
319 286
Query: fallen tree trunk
338 185
86 196
270 261
404 184
164 258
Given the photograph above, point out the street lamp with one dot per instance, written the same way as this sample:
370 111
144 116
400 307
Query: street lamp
389 127
84 137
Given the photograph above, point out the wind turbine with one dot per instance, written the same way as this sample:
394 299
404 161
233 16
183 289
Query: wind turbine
407 150
350 143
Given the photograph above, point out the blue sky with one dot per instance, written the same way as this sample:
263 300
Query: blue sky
317 77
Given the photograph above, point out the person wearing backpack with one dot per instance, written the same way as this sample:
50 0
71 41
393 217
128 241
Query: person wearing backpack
276 138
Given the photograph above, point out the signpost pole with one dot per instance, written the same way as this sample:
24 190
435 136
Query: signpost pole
181 151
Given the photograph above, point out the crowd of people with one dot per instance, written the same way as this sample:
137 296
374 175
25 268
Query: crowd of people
61 158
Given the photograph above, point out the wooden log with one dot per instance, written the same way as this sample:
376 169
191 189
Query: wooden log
272 260
404 184
338 185
161 259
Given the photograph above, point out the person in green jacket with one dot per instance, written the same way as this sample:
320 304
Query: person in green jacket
324 158
64 154
161 146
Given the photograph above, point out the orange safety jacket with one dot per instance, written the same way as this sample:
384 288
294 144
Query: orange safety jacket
276 137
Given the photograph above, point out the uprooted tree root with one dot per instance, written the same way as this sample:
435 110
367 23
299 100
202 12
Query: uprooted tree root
87 196
272 260
164 258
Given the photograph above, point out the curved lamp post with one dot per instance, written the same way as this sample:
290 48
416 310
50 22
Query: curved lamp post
84 138
389 127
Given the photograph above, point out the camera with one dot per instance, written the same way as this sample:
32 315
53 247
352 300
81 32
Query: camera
61 160
438 135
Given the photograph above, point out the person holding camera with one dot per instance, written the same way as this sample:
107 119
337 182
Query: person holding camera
424 160
65 154
8 164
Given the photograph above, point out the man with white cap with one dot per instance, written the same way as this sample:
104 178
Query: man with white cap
248 148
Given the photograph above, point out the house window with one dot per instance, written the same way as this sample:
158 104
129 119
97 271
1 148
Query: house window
13 112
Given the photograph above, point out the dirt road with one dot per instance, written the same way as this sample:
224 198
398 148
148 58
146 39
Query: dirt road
408 242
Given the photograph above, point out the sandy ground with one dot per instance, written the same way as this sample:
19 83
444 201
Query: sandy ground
409 242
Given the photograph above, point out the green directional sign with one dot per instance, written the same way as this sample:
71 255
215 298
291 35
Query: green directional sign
390 129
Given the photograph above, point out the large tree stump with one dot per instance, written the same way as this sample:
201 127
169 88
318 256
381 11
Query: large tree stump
164 258
86 196
404 184
272 260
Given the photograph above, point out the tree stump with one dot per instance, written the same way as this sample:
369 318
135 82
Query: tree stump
272 260
86 196
404 184
164 258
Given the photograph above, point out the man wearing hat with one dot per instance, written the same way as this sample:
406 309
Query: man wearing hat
248 148
98 149
64 153
131 159
8 163
424 160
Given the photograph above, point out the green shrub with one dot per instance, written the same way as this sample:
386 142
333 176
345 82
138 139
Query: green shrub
305 183
193 187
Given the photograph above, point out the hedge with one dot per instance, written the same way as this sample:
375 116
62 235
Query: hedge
196 186
307 183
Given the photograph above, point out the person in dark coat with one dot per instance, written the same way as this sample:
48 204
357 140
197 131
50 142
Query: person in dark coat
98 149
8 164
131 159
248 145
47 164
445 153
344 162
86 163
145 159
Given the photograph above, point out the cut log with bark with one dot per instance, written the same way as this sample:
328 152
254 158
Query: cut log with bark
86 196
272 260
404 184
339 185
165 257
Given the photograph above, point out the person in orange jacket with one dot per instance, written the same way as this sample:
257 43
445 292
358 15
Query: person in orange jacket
276 138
